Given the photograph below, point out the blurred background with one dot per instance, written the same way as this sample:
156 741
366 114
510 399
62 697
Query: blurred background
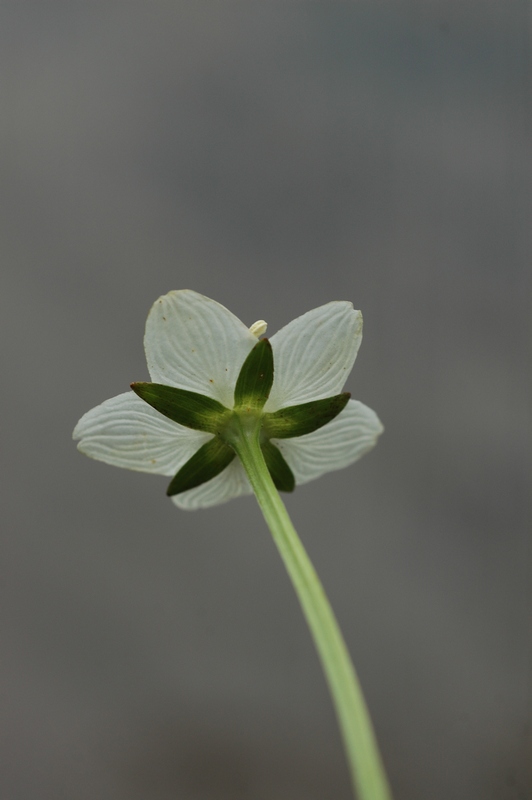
273 156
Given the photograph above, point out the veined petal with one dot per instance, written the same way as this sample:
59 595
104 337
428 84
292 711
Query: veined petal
313 354
126 432
336 445
232 482
194 343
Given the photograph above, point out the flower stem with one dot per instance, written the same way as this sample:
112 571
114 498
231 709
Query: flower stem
367 772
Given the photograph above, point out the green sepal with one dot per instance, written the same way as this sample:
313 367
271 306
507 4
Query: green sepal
187 408
282 475
211 459
256 377
304 418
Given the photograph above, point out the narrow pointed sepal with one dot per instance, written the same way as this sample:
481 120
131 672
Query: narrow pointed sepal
207 463
190 409
256 377
282 475
303 418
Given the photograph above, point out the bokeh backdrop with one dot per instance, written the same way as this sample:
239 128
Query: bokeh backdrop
273 156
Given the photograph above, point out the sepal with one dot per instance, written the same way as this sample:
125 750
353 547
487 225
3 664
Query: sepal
207 463
190 409
256 377
281 474
304 418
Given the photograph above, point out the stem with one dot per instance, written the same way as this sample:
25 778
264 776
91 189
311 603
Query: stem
367 772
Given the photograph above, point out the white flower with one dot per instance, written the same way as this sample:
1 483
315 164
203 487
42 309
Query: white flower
196 344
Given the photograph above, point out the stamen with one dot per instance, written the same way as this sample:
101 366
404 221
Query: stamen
258 328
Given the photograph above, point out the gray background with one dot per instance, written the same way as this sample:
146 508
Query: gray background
273 156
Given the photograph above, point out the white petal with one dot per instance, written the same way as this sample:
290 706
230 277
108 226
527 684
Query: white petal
232 482
194 343
339 443
313 355
126 432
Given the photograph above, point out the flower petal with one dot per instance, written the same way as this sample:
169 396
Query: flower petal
126 432
336 445
194 343
313 354
232 482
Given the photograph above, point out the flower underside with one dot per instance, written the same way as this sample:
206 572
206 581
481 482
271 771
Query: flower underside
202 413
212 388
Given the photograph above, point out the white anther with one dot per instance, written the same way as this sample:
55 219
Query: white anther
258 328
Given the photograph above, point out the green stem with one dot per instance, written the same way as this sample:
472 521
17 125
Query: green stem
367 772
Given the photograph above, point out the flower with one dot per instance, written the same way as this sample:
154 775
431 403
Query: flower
198 347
